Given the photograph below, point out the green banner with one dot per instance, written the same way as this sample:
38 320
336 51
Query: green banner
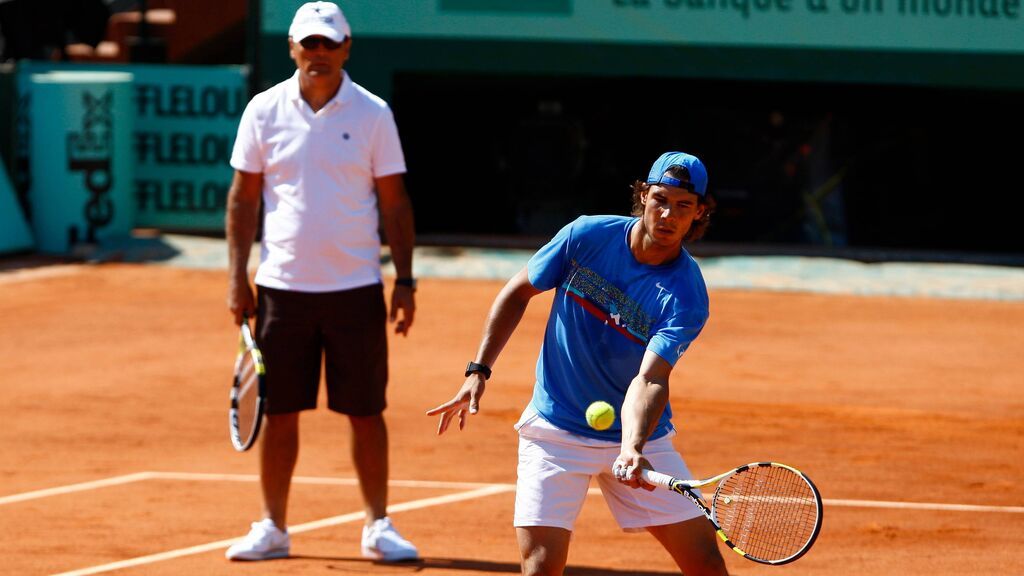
185 125
15 235
971 26
185 121
522 6
81 193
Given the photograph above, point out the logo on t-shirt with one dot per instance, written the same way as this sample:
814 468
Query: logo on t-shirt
608 303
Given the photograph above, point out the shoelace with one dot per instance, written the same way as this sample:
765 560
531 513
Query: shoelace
260 529
376 530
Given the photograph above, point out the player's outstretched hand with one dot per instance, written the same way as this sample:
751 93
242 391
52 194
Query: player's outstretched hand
467 398
627 466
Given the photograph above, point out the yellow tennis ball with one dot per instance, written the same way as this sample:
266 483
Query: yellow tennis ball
600 415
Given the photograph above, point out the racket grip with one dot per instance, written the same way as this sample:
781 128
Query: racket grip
657 478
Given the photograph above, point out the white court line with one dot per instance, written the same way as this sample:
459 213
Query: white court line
319 480
474 490
139 476
316 480
297 529
924 506
76 487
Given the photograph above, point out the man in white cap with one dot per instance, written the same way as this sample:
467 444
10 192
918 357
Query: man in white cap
324 156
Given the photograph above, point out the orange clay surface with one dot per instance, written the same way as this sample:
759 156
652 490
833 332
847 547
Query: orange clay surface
118 369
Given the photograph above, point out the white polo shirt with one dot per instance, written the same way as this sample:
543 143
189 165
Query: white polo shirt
321 217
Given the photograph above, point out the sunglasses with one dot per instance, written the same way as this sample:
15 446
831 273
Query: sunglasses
314 42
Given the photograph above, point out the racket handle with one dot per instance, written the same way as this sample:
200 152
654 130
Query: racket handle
657 478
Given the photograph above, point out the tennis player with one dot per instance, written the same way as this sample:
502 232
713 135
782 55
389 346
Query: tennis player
325 157
629 301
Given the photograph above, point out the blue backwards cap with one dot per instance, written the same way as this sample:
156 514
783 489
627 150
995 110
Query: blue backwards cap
698 183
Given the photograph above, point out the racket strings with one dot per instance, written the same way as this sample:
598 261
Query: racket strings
248 393
769 512
246 376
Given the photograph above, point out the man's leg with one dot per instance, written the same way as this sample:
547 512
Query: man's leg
278 452
355 340
544 549
692 544
370 456
380 541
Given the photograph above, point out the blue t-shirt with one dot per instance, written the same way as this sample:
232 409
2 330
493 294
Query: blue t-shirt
608 310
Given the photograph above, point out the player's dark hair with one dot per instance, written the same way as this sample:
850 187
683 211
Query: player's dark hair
699 226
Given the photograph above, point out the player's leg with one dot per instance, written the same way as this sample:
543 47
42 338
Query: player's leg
380 539
676 522
287 335
356 360
268 538
544 549
693 546
370 457
356 363
279 451
553 478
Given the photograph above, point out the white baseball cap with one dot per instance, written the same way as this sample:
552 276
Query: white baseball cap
319 19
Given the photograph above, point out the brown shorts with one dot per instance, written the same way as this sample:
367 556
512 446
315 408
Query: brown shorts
347 329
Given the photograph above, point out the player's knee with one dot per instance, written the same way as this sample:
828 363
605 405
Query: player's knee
706 561
540 561
539 566
287 423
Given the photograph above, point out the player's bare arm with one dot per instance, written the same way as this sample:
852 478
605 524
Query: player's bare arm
645 400
241 223
397 218
504 317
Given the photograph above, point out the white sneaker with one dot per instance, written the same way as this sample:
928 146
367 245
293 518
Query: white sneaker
264 541
382 542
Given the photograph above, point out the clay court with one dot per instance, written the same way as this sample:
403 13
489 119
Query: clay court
907 413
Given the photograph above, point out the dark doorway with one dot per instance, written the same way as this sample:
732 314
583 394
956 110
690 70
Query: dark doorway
803 164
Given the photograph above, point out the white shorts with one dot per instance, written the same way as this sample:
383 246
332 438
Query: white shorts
555 468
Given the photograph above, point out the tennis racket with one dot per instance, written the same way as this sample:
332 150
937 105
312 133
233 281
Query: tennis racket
766 512
248 391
